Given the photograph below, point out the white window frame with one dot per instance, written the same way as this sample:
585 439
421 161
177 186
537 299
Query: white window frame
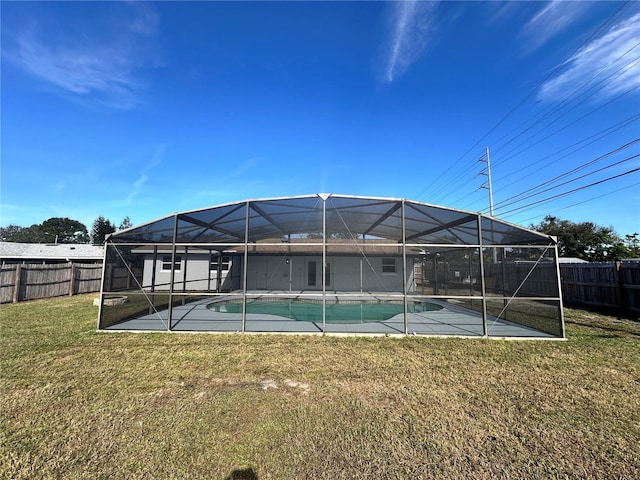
225 262
165 265
388 262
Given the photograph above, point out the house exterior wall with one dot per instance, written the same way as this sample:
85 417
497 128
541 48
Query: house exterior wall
265 272
346 274
198 276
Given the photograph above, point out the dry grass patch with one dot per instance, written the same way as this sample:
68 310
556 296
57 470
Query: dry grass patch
81 404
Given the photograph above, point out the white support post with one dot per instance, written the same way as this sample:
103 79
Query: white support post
559 280
102 281
244 273
483 288
324 266
173 272
404 273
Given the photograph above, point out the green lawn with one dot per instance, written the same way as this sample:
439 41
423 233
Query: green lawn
82 404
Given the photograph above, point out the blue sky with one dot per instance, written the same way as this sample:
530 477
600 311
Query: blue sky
143 109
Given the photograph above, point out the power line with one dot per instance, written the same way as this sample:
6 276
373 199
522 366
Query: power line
622 124
574 180
577 120
571 191
602 26
516 198
602 134
569 98
613 192
580 118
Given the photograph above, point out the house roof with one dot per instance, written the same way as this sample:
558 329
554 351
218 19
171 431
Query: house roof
336 216
296 246
50 251
571 260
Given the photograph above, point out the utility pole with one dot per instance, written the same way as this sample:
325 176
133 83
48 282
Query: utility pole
487 159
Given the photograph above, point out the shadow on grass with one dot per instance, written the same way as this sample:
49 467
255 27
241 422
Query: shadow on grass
614 331
243 474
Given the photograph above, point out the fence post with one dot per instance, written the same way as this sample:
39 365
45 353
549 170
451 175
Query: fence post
109 277
16 285
620 292
72 278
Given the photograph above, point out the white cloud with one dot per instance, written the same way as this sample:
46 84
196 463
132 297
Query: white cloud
551 20
105 73
145 19
99 68
228 187
247 165
140 182
502 11
409 37
615 53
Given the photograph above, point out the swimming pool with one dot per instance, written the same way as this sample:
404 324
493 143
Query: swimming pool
357 312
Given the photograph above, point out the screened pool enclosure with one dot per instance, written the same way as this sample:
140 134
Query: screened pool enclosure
332 264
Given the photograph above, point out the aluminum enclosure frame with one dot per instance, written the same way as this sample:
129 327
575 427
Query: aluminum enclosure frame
330 226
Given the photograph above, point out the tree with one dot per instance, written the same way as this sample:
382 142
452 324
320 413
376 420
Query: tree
16 233
62 230
53 230
632 242
126 223
584 240
100 229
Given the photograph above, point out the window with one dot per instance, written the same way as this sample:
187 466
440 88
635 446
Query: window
224 263
311 274
389 265
327 278
166 263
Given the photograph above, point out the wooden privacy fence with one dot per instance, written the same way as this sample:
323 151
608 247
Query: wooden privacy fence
119 278
20 282
611 285
522 278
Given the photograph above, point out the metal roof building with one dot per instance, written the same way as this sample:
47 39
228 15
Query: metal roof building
329 263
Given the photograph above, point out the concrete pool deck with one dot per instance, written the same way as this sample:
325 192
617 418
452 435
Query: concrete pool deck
451 320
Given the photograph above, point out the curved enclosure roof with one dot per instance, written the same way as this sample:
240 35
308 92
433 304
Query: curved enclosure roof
340 216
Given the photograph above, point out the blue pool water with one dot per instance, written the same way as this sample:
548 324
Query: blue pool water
335 312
